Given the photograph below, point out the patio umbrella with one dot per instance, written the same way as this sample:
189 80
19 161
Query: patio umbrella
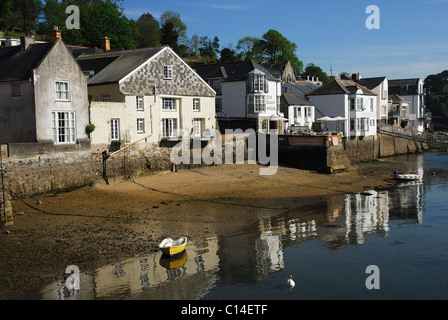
325 119
338 118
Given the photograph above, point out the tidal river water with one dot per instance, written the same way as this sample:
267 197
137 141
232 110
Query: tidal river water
389 244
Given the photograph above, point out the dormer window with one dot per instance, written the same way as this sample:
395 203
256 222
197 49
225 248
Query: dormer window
167 72
257 82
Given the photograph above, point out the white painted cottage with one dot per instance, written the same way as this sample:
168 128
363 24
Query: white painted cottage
356 104
248 95
144 96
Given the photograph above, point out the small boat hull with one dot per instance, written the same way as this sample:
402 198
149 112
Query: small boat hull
407 176
170 247
175 262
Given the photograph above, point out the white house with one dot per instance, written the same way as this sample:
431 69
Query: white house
412 91
380 86
143 96
356 104
43 98
300 112
248 95
399 111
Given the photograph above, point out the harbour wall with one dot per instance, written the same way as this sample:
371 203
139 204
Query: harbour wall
27 176
347 153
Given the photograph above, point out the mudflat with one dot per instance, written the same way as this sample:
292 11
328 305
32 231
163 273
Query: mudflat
93 226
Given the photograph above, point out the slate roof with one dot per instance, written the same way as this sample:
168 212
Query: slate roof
112 66
276 68
288 99
17 64
396 98
304 87
371 83
338 86
404 86
76 51
231 71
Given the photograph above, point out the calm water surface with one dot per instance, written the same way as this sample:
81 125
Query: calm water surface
404 232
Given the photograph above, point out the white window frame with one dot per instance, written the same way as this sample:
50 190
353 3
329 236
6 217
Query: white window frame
169 104
61 94
258 103
140 125
169 127
197 122
63 127
167 72
371 105
115 129
139 103
259 83
196 104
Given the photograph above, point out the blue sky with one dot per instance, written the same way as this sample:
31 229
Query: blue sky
412 40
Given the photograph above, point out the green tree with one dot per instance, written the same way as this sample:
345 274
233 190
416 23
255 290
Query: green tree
194 44
436 86
23 14
229 55
6 14
178 25
96 24
96 19
245 46
169 35
209 48
272 47
149 31
277 48
313 70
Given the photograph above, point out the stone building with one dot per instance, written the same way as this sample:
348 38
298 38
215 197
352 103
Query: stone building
144 96
43 99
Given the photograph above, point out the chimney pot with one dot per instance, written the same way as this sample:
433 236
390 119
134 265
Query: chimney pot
55 34
105 44
26 41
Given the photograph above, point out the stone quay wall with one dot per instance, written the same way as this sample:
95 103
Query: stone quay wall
54 172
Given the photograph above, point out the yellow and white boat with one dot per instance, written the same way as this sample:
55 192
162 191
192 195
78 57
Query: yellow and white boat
172 247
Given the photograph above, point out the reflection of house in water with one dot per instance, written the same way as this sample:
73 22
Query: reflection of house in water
373 213
252 254
251 257
407 204
146 278
366 213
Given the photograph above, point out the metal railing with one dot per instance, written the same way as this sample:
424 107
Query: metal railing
413 134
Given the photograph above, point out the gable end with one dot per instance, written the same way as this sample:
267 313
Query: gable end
184 81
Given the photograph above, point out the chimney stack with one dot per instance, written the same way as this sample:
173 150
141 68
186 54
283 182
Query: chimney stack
26 41
105 44
55 34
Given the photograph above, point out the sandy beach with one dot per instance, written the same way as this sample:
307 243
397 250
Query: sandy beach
97 225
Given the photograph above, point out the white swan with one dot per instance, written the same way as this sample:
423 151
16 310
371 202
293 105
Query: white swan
290 282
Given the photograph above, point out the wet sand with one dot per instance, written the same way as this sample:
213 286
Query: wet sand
94 226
